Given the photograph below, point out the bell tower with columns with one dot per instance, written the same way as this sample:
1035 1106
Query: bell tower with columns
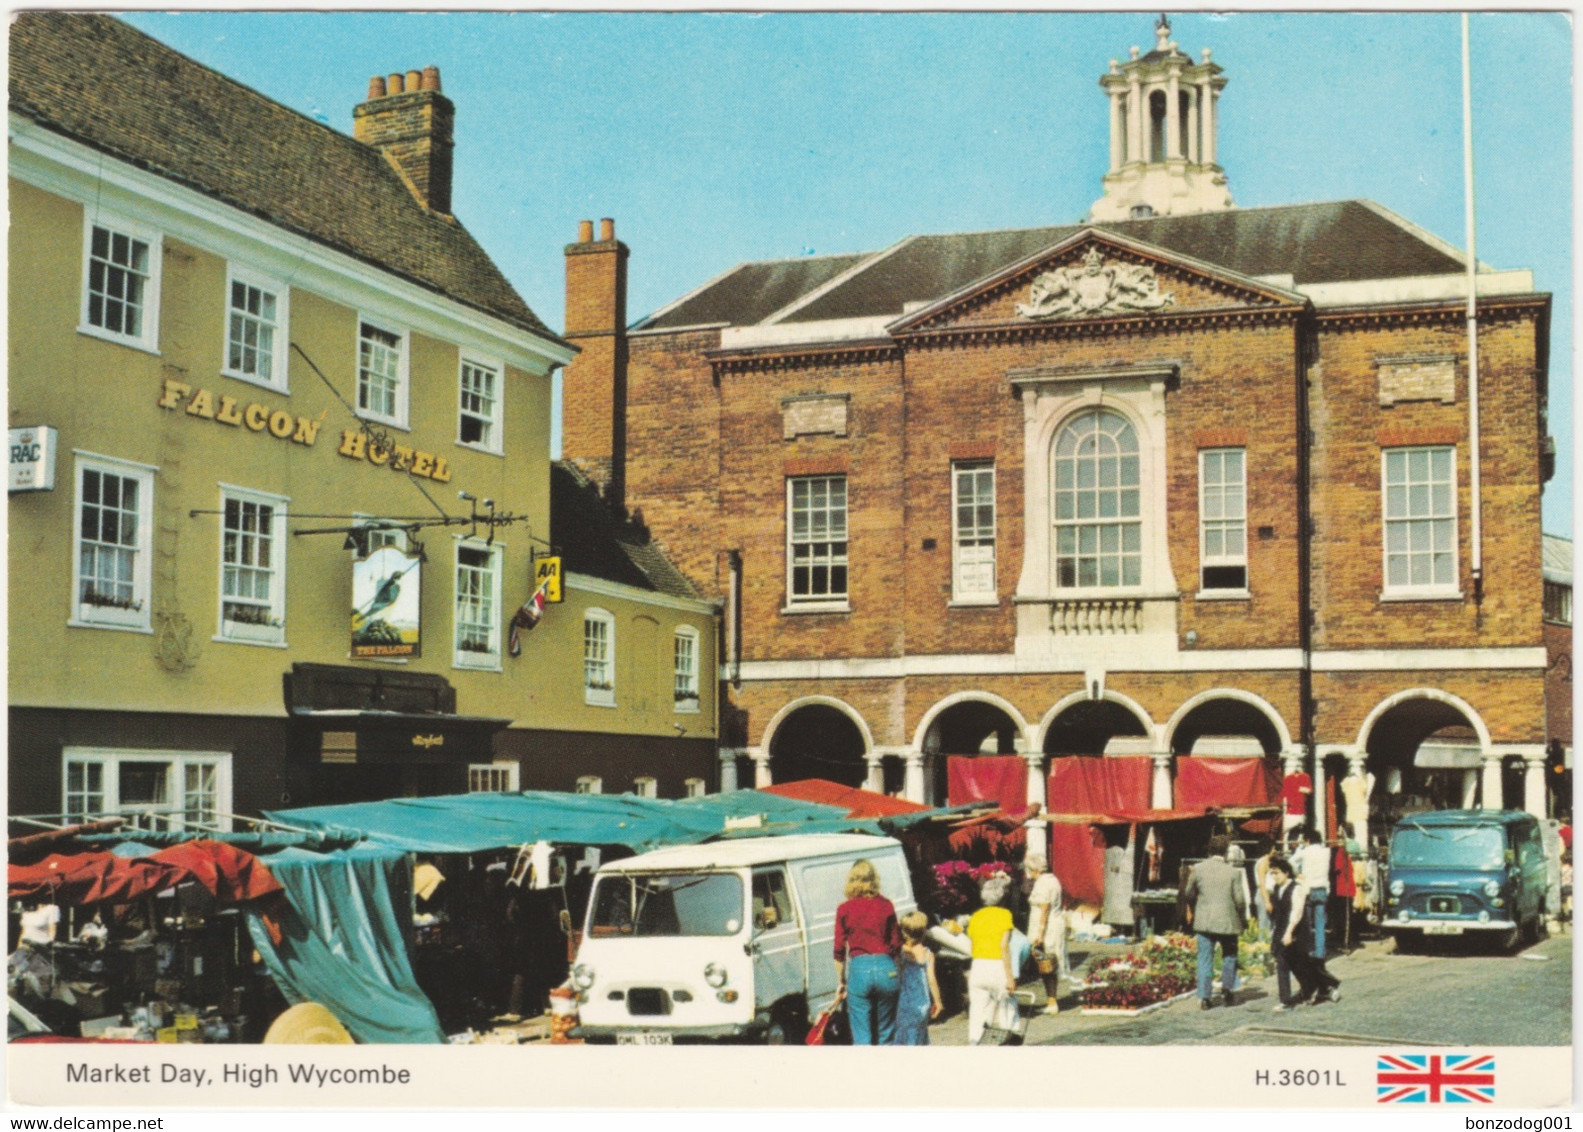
1162 134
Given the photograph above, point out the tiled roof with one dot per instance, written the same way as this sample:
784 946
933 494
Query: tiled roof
752 292
1342 241
592 539
1556 559
108 86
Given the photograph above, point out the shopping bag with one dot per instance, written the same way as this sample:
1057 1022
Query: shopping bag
830 1027
1006 1026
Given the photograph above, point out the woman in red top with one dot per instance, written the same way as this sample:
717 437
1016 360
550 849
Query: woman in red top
867 944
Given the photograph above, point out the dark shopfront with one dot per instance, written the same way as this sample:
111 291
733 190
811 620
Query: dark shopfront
361 736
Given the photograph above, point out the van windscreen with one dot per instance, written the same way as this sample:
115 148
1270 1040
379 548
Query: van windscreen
667 904
1473 847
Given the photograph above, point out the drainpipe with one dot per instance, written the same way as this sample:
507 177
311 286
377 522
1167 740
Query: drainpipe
1476 532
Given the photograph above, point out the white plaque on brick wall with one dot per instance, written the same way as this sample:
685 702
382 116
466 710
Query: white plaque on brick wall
1418 379
814 415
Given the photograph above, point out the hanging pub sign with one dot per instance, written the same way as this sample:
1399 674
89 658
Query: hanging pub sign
32 459
385 607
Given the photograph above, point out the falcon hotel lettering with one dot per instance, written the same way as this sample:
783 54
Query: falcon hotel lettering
257 417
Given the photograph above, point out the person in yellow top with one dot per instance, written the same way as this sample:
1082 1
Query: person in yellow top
990 979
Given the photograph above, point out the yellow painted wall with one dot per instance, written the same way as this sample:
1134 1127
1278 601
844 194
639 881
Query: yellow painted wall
103 397
645 700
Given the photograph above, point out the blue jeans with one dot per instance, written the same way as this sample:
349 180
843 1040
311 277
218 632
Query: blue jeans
1317 899
1206 963
872 986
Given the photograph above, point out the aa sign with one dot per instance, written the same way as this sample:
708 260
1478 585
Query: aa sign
547 573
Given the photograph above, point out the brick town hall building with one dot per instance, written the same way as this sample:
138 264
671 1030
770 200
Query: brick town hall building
1183 481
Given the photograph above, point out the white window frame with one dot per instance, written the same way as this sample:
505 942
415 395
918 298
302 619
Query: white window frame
589 784
1137 520
276 378
111 760
380 538
147 337
494 778
1223 522
494 437
272 635
137 619
1432 590
468 658
646 786
398 419
694 787
968 545
684 679
599 685
832 600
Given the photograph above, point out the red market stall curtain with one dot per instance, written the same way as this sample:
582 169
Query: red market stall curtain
1084 784
1205 781
93 878
1002 779
1077 858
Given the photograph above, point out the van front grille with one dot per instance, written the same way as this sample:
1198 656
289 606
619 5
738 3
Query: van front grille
1445 905
648 1000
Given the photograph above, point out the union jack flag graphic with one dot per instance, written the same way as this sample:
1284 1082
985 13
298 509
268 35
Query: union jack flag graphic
1435 1078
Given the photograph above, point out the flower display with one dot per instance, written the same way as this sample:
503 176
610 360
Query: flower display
1157 970
956 885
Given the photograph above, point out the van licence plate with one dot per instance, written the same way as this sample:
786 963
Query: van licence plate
643 1038
1442 929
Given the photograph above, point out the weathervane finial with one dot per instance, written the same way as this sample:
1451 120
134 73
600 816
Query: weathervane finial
1162 32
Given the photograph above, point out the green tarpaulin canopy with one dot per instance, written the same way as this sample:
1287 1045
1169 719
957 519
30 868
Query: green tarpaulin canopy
476 823
345 941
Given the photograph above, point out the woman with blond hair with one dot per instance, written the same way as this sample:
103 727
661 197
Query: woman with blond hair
867 945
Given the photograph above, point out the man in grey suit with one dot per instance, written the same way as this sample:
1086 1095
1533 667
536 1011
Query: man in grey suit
1217 911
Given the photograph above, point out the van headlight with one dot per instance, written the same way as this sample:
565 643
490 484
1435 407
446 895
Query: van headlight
582 976
715 975
1397 888
1492 888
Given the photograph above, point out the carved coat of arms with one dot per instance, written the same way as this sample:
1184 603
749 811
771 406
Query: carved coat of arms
1096 287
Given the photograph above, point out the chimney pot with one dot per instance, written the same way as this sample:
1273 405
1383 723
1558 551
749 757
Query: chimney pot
414 82
393 84
376 87
607 229
431 78
585 231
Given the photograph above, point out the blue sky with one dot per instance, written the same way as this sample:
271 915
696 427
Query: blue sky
716 138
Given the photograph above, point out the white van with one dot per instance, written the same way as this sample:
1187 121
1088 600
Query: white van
731 940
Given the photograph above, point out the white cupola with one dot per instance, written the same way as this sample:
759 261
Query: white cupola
1162 134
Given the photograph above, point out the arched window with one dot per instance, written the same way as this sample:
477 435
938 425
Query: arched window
1157 112
1098 526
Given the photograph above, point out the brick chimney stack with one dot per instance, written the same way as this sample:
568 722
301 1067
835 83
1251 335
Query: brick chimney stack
408 118
594 386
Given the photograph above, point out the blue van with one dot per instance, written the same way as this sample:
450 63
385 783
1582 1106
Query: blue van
1458 871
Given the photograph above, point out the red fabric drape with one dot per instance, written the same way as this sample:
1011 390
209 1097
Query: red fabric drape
1002 779
1077 858
95 878
1205 781
1081 784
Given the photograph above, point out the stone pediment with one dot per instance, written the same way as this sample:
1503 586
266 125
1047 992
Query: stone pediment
1096 275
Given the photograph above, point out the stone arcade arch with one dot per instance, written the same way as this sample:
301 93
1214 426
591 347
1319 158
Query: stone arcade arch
966 723
818 737
1080 725
1227 711
1426 749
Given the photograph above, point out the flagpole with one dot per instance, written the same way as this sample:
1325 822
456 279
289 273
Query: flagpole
1476 531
